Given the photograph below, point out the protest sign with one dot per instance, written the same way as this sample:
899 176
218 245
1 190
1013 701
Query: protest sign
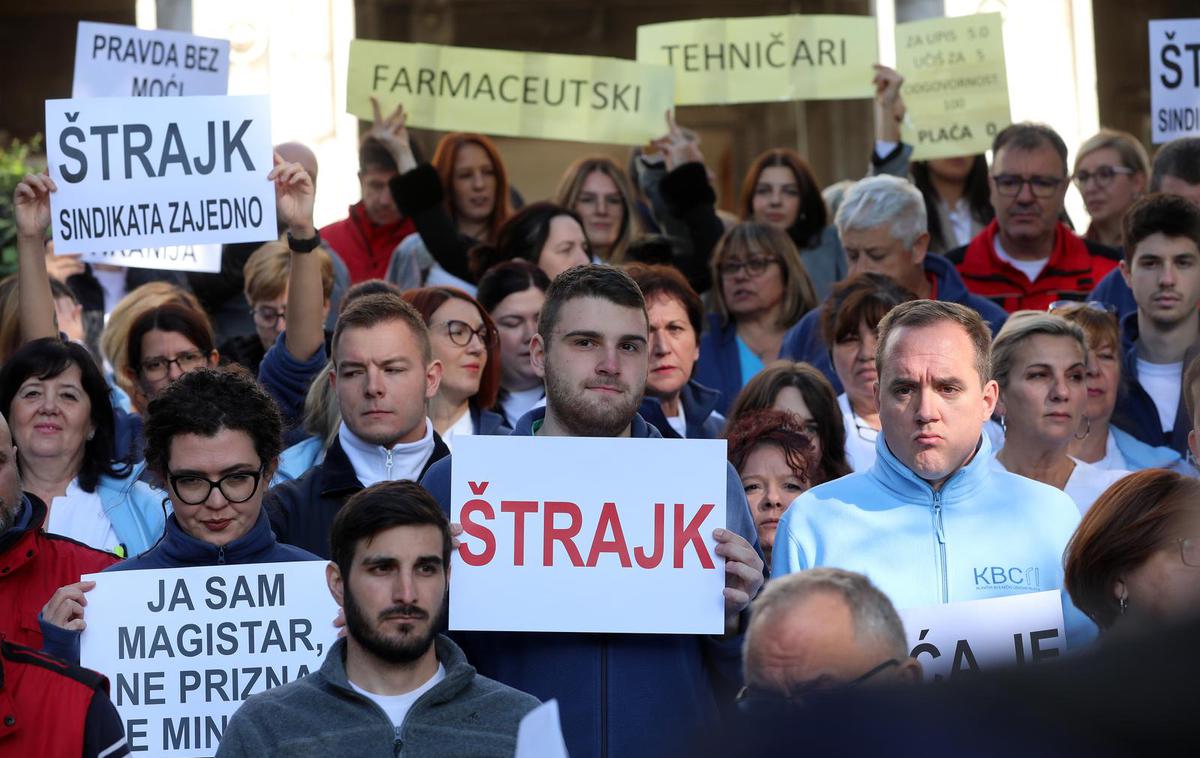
769 58
112 60
135 172
1174 79
183 648
985 635
566 97
955 84
202 258
574 548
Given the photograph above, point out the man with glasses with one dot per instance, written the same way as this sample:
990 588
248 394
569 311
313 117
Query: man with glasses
1027 258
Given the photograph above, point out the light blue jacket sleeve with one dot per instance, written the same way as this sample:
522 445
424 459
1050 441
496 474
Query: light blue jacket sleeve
787 556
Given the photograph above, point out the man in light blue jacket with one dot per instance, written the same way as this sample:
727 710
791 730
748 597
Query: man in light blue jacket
930 522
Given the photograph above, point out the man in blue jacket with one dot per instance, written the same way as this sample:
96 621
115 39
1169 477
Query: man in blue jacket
884 228
930 522
619 694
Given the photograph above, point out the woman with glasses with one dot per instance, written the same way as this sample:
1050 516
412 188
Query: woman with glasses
57 405
1103 444
213 440
1134 562
805 393
762 290
1040 362
1111 171
164 344
463 338
599 191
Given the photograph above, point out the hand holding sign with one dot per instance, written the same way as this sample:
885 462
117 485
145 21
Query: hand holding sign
31 205
65 607
743 574
294 197
392 133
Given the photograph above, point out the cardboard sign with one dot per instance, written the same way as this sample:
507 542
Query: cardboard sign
1174 79
566 97
554 542
135 172
203 258
123 61
183 648
955 84
979 635
770 58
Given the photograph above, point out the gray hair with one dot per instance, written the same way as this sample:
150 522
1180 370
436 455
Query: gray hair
1022 325
879 200
875 618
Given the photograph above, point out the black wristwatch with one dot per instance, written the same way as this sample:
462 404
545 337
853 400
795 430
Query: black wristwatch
304 246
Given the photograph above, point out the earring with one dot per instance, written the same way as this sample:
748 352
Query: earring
1086 431
1003 427
91 435
1123 603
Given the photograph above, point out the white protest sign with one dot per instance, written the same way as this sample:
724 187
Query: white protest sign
123 61
203 258
553 541
135 172
981 635
183 648
1174 79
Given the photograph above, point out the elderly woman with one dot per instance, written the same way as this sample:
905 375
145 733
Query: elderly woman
57 404
774 459
513 293
1134 562
675 404
1104 445
463 338
1111 171
213 438
599 191
1040 363
803 391
762 290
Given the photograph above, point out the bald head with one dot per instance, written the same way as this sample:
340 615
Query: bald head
294 152
10 478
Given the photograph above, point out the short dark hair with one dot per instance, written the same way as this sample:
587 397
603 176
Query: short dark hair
813 216
1179 158
1029 135
1169 215
652 249
771 427
48 357
364 288
171 317
668 281
373 155
864 297
522 236
371 310
509 278
381 507
604 282
204 402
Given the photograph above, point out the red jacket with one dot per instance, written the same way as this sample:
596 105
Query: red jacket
44 703
365 247
33 565
1075 267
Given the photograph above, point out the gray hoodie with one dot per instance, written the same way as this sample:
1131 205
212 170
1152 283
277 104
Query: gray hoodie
321 715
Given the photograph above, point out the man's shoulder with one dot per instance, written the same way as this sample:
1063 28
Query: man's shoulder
437 481
499 698
1097 250
294 698
1018 496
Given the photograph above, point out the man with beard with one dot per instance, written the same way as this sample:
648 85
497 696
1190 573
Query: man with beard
393 685
618 694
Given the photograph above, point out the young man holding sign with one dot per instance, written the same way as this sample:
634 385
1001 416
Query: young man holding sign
620 694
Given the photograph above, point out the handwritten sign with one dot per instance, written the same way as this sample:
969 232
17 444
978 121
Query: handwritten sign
183 648
566 97
577 549
769 58
123 61
978 635
203 258
136 172
955 84
1174 79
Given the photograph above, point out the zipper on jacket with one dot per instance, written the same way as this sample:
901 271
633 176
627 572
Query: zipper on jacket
604 698
388 466
941 538
221 556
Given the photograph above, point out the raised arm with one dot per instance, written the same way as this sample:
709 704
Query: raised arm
294 195
890 155
31 209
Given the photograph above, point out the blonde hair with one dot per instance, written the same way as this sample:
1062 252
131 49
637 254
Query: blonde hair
1022 325
748 238
1133 155
266 271
571 187
114 340
322 414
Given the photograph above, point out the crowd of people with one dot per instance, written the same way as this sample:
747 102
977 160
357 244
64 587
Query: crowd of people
928 376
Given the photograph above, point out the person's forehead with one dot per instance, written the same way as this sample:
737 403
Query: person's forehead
1160 244
1173 185
943 345
376 174
402 542
459 310
387 339
874 235
594 314
1043 159
158 339
212 454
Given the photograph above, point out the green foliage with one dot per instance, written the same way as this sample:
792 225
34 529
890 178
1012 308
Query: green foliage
17 160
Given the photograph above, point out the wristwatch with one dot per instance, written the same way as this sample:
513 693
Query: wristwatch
304 246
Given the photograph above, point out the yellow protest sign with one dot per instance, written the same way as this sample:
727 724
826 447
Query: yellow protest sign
769 58
567 97
955 85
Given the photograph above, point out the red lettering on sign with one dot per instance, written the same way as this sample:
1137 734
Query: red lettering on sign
609 517
691 535
552 533
651 560
478 531
520 509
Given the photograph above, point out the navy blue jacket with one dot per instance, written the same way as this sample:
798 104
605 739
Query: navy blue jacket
1135 411
1112 290
618 694
699 412
804 342
488 422
719 366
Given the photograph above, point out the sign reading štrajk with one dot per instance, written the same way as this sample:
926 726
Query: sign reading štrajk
576 549
566 97
984 635
1174 78
955 84
123 61
148 172
770 58
183 648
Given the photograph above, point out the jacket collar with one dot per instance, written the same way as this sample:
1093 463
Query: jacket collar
698 404
338 475
459 673
950 286
18 545
960 487
179 548
637 428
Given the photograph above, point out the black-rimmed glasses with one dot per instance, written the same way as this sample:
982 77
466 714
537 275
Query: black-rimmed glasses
237 487
268 315
158 367
1009 185
1091 305
797 694
460 333
1103 175
754 266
